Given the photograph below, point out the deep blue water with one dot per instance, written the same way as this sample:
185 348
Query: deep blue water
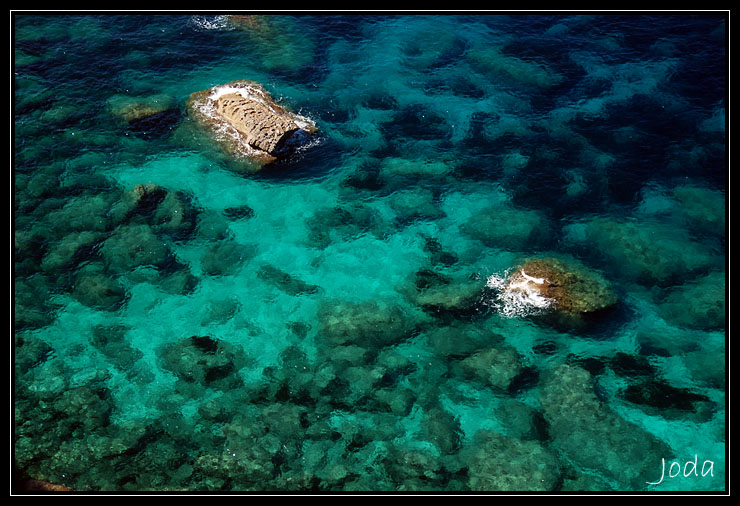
333 322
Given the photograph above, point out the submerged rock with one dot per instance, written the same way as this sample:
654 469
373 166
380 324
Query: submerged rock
247 122
95 289
365 323
496 367
202 361
513 229
136 108
501 463
446 297
284 281
592 436
132 246
699 304
657 397
146 116
648 252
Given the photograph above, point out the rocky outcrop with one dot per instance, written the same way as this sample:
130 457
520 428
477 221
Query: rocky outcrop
246 121
575 288
568 287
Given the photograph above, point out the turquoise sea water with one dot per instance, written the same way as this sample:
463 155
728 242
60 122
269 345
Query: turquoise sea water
331 323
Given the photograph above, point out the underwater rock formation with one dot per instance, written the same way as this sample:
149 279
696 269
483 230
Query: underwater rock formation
504 464
592 435
495 367
171 213
247 122
284 281
131 246
225 257
699 304
649 252
513 229
366 323
136 108
94 288
446 297
146 116
201 361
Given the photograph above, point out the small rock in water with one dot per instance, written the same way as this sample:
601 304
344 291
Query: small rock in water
247 122
543 284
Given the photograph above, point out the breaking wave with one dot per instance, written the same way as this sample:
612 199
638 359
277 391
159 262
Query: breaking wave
514 295
220 22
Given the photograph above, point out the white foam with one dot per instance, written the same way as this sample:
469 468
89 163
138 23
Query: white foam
515 296
539 281
254 93
220 22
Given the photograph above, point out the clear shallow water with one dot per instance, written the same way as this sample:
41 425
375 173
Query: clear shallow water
324 324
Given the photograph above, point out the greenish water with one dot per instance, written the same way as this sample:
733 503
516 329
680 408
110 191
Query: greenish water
332 322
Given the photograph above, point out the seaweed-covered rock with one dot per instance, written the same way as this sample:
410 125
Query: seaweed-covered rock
508 228
131 246
246 121
284 281
136 108
201 361
141 199
69 250
167 212
648 252
521 421
281 43
446 296
112 343
498 463
592 436
704 207
367 323
175 216
442 428
414 469
86 212
31 305
699 304
225 257
347 222
498 66
97 289
659 398
417 204
496 367
85 405
459 340
30 351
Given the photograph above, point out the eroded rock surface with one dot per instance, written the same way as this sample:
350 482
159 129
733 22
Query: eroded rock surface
247 122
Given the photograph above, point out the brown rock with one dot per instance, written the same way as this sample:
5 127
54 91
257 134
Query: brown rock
247 122
572 287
